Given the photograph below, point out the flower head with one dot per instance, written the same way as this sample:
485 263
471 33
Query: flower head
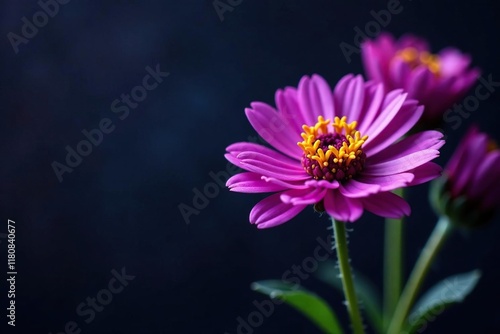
337 150
468 192
436 80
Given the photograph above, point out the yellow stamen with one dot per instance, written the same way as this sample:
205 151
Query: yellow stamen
344 155
492 146
415 58
409 54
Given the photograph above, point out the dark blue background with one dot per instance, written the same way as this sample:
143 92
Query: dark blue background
119 207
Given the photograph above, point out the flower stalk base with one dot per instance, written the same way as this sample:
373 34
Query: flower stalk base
346 276
410 292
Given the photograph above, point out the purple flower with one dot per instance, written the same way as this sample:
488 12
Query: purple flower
436 81
468 192
337 150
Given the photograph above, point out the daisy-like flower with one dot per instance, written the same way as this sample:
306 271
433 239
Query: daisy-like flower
337 150
469 194
436 80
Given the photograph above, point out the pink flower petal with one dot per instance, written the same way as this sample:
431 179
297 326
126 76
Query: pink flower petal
464 82
267 169
418 82
286 184
390 182
389 112
476 151
262 157
460 152
271 211
371 61
373 100
321 97
377 56
408 145
425 173
486 171
249 182
266 165
306 105
232 159
399 71
402 164
356 189
323 184
392 96
369 56
453 62
353 99
244 147
342 208
270 126
305 196
339 93
387 205
288 105
398 127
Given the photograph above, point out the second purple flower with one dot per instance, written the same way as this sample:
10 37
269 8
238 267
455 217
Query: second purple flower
436 80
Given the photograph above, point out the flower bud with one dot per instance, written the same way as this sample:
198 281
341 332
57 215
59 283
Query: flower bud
467 192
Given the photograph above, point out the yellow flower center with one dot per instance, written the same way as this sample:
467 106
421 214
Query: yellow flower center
415 58
492 146
332 155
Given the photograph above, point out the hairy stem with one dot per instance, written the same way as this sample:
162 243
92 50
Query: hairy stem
346 275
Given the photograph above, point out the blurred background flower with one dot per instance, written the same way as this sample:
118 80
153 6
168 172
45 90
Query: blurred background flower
435 80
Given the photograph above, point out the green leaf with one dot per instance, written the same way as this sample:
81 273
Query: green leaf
329 273
449 291
308 303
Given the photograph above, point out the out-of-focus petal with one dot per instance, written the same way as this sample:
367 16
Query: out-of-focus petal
437 81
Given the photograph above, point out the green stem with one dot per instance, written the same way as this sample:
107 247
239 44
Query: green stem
346 275
410 292
393 263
